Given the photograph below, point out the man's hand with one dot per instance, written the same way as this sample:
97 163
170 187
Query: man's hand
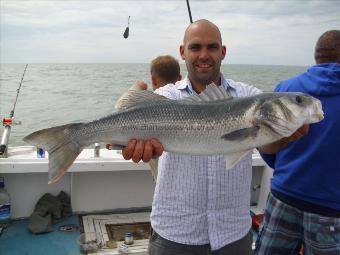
280 144
302 131
139 85
142 150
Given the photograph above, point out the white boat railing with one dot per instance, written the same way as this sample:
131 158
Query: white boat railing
101 183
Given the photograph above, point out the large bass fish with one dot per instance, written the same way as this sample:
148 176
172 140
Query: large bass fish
205 124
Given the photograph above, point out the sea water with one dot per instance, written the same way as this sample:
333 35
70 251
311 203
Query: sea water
56 94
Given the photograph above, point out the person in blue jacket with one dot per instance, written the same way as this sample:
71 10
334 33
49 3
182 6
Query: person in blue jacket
303 207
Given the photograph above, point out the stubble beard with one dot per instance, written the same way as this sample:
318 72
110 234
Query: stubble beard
205 78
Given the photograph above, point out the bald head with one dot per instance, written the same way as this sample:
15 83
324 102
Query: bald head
203 52
198 25
327 48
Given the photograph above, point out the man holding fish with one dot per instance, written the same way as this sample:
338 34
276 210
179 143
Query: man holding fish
198 206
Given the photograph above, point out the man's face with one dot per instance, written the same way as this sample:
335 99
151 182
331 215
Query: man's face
203 53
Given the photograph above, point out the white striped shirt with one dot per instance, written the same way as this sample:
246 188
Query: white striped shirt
196 200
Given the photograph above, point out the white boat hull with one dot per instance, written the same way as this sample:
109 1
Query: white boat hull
97 184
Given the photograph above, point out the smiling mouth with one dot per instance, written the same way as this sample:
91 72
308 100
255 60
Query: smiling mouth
203 66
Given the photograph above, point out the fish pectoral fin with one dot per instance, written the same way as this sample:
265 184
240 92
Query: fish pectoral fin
135 96
232 159
241 134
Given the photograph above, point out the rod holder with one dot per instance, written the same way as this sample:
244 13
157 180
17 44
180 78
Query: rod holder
4 141
96 150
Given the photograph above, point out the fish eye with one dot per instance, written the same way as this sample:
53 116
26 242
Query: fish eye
298 99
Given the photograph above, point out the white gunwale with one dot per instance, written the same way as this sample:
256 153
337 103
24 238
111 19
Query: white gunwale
24 160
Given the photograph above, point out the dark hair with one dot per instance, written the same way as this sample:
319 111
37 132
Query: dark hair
327 48
165 68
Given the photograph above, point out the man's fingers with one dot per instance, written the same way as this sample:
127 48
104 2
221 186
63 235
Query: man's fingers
147 155
139 150
157 147
302 131
127 152
142 150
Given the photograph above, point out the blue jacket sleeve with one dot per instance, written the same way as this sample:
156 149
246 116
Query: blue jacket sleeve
269 159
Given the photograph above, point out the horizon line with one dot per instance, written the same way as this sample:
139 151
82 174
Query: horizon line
223 64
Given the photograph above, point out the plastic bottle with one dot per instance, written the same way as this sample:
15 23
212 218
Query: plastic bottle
5 205
40 153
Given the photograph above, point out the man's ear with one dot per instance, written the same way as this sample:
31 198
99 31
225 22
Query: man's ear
224 51
179 78
154 80
181 51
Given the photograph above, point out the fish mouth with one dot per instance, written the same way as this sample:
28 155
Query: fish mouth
315 118
317 113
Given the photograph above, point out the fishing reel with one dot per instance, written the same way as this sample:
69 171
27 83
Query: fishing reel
8 121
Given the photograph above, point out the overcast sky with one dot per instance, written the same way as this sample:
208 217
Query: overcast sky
255 32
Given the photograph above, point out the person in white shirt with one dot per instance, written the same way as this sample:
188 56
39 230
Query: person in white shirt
198 206
164 70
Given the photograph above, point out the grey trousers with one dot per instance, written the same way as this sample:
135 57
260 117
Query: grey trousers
160 246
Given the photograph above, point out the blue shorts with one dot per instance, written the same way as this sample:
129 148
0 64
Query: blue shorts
286 229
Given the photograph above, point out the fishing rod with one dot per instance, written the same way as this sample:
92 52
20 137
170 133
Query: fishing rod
189 11
126 32
7 122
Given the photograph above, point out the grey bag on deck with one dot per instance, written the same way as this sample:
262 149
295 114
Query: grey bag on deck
48 210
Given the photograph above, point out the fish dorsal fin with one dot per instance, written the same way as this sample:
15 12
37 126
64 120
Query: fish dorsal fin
211 93
135 96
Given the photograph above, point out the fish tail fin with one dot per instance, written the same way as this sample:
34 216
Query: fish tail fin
62 150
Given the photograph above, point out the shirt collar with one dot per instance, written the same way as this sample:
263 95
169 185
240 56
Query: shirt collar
185 84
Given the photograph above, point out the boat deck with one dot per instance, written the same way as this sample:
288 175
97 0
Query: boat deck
95 184
18 240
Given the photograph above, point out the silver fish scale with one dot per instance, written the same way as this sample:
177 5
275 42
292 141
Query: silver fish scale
180 126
